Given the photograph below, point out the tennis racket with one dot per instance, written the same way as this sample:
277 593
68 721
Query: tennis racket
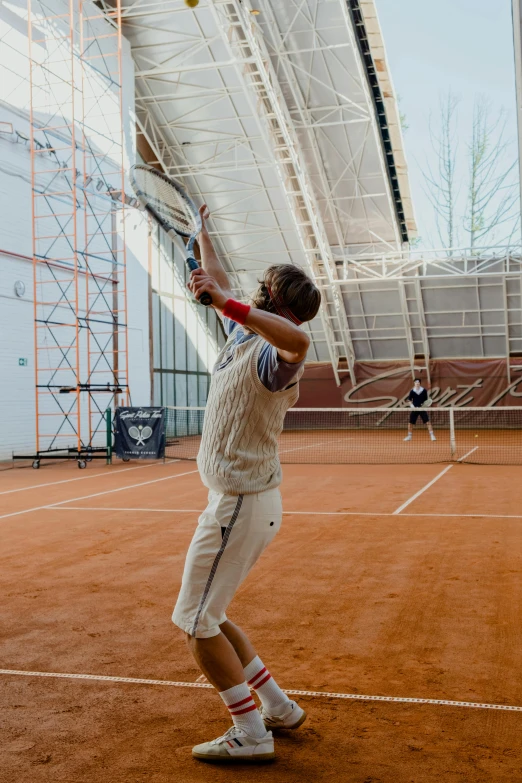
171 208
428 403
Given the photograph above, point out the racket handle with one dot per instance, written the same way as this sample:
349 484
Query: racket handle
205 298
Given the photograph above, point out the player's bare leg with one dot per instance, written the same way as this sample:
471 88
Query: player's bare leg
229 662
278 711
410 433
248 739
240 642
218 660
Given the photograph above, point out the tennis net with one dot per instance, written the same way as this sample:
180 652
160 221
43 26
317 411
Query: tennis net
489 436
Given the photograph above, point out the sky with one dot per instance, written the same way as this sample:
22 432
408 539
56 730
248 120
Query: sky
465 46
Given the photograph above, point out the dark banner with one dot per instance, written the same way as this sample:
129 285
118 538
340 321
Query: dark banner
458 383
139 433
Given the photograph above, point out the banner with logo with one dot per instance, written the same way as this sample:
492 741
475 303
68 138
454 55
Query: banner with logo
139 433
459 383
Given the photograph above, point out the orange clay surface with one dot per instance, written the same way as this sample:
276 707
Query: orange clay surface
426 603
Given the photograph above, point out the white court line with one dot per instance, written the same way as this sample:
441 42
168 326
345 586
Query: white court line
103 508
97 494
417 494
84 478
300 448
291 691
314 445
467 455
288 513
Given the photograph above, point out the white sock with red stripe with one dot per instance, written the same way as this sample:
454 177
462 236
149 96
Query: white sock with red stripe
260 679
243 710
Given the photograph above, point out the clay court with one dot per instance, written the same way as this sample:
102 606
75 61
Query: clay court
389 602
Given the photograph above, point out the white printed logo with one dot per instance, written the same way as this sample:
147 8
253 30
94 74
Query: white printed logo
140 434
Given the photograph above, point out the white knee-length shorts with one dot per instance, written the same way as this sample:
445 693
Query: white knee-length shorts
231 535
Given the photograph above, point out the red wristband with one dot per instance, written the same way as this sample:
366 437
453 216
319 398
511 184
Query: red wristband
236 311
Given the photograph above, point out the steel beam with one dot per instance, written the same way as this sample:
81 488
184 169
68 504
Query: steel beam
407 324
244 40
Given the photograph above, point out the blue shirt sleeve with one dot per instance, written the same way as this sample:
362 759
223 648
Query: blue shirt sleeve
274 373
229 326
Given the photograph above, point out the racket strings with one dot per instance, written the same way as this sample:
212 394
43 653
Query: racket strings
167 202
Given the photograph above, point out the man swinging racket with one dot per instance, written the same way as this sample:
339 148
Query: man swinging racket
254 382
418 399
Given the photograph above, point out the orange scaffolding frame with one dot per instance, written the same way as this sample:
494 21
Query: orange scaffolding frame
78 225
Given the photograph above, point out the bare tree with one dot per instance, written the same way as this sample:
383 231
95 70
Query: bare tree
441 183
488 207
492 208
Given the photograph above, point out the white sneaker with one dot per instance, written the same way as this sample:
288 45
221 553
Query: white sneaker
408 437
432 436
236 746
292 717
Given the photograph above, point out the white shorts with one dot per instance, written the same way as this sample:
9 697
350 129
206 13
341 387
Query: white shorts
231 535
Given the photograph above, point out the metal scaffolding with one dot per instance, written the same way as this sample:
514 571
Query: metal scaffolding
78 204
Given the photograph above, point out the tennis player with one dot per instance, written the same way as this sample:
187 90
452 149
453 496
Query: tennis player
254 382
417 397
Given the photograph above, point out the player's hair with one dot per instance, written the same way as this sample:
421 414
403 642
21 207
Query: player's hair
416 379
293 287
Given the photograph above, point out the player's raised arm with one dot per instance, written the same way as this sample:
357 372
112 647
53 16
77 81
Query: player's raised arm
291 342
280 330
209 260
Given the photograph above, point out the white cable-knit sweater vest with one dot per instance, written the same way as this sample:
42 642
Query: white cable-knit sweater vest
243 420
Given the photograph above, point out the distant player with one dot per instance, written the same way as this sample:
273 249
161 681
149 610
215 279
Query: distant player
254 382
417 397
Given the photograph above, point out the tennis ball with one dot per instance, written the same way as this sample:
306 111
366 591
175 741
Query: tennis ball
192 3
476 436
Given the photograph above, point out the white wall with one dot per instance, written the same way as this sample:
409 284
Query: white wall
17 383
17 391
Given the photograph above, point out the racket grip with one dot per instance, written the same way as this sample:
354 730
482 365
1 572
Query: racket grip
205 298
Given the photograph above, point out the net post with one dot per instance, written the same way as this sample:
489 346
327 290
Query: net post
108 430
453 443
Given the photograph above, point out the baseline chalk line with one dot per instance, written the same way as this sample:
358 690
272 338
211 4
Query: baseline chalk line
290 691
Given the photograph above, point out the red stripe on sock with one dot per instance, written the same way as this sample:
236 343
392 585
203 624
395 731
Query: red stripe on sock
252 681
239 703
265 679
247 709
